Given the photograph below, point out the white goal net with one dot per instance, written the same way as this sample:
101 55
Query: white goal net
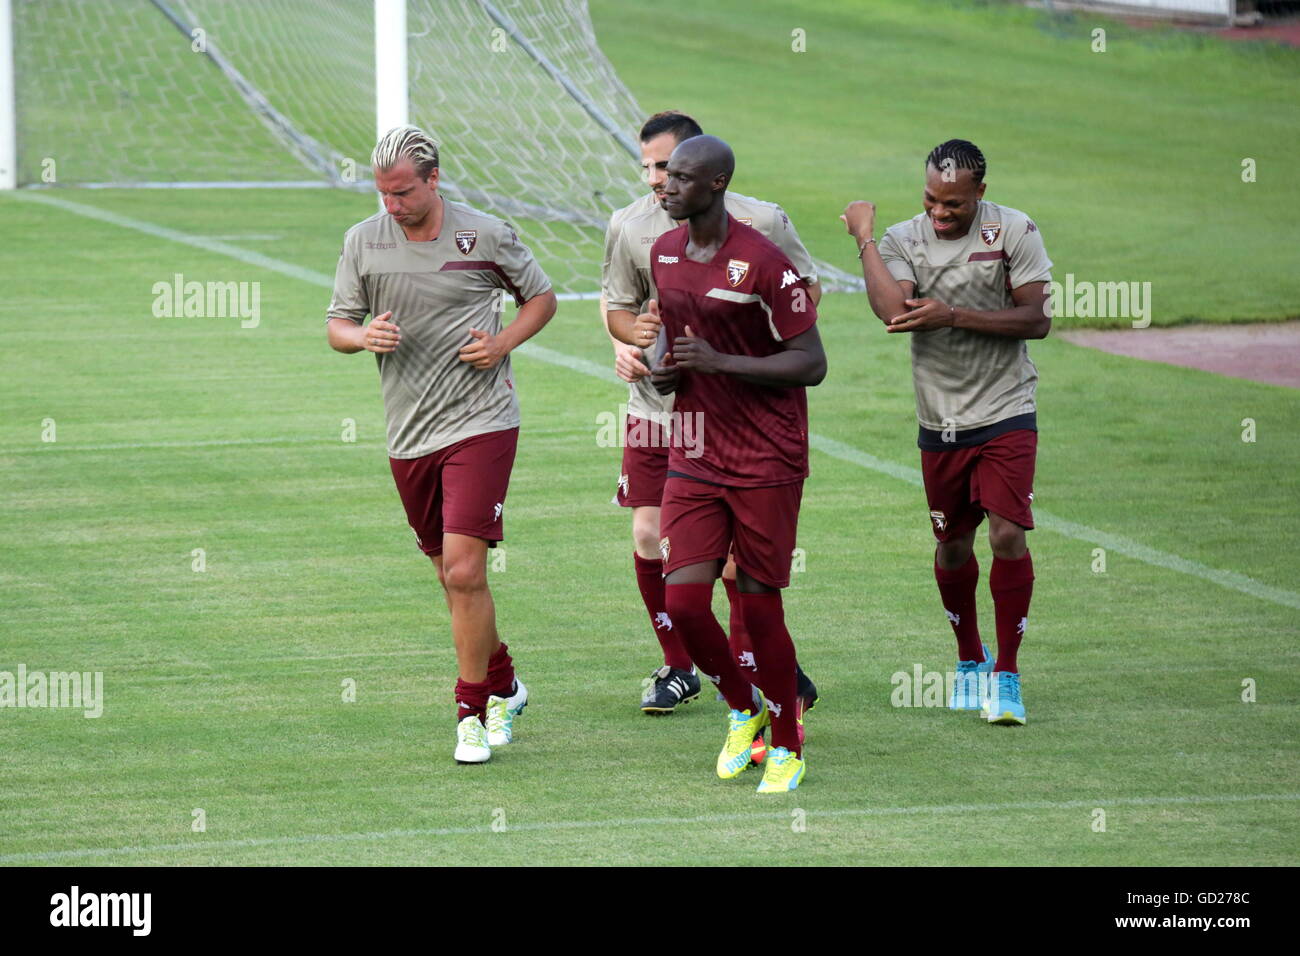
533 123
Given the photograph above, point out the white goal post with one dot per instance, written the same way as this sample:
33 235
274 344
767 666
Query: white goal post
392 100
8 102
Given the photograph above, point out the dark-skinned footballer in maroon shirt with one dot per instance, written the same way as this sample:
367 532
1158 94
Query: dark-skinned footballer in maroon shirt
743 346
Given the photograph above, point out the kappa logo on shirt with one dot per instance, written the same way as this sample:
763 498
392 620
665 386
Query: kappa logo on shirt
668 260
737 269
788 278
465 240
989 232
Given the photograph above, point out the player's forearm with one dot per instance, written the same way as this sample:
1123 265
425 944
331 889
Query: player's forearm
604 321
1021 322
815 293
345 336
533 316
622 325
883 292
791 368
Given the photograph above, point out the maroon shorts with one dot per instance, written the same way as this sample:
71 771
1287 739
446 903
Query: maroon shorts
645 464
460 489
702 522
964 483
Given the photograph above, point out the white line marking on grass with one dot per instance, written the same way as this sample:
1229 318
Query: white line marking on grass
581 365
50 447
121 671
1071 529
827 446
198 242
552 826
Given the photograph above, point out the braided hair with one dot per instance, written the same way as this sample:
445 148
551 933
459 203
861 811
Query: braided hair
958 154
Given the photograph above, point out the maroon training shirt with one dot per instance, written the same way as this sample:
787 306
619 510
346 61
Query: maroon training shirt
746 301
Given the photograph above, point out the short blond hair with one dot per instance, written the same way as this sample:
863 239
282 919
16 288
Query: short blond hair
406 142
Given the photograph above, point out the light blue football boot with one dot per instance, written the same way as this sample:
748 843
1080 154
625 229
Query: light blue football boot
1005 705
971 685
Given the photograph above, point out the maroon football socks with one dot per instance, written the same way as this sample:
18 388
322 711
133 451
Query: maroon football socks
1012 584
957 590
691 608
471 700
742 647
773 646
501 672
650 579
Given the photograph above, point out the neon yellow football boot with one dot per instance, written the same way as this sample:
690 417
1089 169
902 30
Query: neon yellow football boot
783 772
744 727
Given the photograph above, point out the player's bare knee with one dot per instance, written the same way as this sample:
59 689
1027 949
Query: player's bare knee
1007 540
645 530
463 577
646 538
954 553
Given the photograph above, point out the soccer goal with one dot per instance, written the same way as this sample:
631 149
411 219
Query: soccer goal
534 123
1218 12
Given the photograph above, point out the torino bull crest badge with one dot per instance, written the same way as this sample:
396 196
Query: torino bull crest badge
465 240
737 269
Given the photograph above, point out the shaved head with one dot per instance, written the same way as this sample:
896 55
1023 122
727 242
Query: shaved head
710 155
699 171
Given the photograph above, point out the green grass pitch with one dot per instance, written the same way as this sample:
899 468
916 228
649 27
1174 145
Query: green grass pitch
224 688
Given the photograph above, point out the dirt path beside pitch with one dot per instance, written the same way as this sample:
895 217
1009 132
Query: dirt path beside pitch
1262 352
